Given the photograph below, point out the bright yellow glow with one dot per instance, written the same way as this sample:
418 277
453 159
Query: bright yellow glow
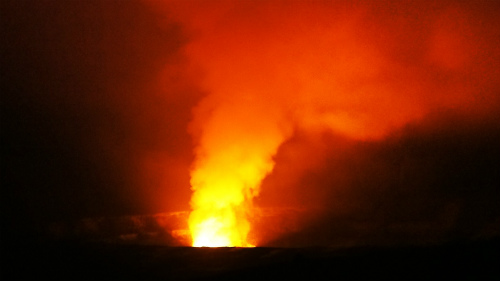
211 234
234 156
222 198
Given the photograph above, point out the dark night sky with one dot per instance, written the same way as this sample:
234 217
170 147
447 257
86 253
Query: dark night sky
87 129
96 100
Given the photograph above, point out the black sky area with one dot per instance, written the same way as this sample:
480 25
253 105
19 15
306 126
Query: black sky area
81 105
96 100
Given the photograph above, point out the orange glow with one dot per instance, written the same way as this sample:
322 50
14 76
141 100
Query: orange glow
356 70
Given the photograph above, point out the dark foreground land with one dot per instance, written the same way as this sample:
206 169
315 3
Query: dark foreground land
91 261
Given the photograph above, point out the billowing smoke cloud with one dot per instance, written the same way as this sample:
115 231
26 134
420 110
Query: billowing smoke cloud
333 120
360 71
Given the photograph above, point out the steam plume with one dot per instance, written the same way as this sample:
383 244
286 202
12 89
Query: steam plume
359 70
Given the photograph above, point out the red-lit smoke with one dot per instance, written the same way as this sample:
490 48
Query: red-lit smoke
358 69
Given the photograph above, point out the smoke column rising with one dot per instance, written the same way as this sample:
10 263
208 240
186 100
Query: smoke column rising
361 70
